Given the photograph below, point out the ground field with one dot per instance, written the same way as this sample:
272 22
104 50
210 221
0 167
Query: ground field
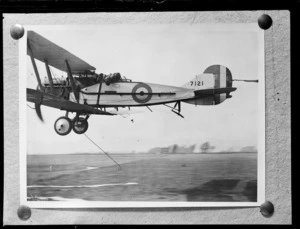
143 177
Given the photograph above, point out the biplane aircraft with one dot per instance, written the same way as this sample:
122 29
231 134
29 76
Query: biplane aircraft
87 93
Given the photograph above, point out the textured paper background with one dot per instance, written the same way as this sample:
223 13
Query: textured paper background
278 124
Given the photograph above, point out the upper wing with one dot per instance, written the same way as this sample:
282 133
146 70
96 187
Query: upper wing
49 100
43 49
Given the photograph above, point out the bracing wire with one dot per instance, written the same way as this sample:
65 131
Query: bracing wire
103 151
54 76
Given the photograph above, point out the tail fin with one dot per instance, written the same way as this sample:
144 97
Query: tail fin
214 77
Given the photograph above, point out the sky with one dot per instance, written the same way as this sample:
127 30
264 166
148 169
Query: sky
169 54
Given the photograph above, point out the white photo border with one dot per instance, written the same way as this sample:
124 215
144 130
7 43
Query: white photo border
142 204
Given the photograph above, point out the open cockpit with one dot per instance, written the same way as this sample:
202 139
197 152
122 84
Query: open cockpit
88 79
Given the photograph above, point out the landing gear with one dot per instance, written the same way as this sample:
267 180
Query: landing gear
80 125
63 126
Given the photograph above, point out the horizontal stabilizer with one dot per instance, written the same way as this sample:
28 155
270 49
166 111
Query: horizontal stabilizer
49 100
251 81
213 91
45 50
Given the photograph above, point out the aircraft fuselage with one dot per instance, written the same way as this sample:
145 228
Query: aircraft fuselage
131 94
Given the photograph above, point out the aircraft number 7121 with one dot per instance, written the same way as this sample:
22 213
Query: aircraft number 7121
196 83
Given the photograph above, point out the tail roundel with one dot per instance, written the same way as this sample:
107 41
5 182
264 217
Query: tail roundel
222 75
212 87
223 79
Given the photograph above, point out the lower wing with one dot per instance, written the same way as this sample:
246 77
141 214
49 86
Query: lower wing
49 100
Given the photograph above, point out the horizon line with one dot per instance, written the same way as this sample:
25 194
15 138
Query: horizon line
221 152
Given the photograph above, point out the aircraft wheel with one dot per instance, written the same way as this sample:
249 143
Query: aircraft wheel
80 125
63 126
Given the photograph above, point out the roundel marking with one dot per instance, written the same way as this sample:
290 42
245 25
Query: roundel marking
139 93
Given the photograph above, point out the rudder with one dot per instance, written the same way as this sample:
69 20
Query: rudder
215 76
223 79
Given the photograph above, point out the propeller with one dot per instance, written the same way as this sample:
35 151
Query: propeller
37 105
38 111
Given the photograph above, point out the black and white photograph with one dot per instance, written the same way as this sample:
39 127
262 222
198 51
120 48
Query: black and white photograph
142 115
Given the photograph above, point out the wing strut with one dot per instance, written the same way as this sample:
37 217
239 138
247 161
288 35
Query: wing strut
72 82
49 76
34 67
